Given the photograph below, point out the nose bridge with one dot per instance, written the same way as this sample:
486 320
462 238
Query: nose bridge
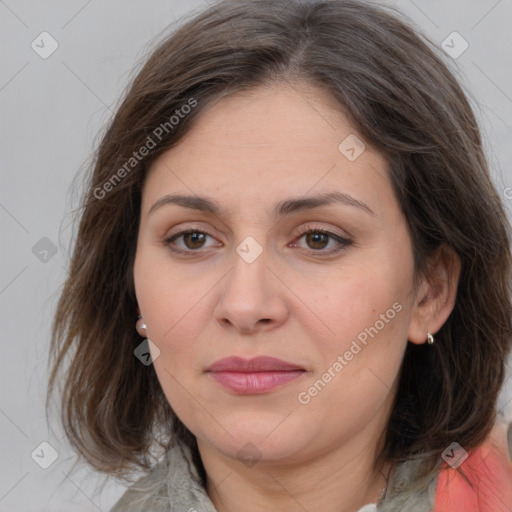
248 277
250 294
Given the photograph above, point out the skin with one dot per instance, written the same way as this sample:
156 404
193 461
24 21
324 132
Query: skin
249 151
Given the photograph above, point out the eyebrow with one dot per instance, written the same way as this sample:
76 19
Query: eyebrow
282 208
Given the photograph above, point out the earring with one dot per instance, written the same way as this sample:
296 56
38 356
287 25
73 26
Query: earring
430 338
141 326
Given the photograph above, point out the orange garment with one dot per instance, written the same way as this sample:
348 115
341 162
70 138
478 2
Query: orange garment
489 470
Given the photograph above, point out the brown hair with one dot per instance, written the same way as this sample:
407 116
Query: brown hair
403 100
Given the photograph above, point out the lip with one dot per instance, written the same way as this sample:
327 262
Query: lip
255 364
254 376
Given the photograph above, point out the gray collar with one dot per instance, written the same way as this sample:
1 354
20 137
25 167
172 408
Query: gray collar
174 485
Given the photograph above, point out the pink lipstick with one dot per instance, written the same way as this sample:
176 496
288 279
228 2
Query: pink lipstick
254 376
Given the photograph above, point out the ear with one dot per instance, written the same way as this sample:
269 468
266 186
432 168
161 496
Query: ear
435 294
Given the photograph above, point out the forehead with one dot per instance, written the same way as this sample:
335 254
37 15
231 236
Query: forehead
270 142
277 117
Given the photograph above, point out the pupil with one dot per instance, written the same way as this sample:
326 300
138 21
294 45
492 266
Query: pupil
196 238
317 239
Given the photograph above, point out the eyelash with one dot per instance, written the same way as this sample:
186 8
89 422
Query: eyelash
344 243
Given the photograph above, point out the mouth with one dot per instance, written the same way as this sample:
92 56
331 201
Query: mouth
254 376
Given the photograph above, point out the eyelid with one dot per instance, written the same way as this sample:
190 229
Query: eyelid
309 228
187 227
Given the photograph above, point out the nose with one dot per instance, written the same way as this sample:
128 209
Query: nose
252 298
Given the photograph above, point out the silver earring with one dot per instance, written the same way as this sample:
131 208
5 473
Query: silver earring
430 338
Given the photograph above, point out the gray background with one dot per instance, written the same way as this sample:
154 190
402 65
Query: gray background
52 112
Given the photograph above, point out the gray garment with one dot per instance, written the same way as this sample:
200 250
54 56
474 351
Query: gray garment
174 485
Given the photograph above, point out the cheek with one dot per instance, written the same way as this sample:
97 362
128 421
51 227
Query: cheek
367 311
171 300
356 299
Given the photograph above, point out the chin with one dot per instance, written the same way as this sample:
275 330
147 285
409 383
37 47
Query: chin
256 439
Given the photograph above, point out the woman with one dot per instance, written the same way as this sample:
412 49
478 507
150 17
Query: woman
294 198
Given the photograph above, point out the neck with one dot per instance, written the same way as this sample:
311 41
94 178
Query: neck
340 480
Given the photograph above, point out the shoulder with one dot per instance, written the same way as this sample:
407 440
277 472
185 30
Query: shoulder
483 481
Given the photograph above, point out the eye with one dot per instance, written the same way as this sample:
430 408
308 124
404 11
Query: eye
318 239
193 240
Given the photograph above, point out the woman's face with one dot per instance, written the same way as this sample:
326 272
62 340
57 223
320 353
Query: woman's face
336 305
